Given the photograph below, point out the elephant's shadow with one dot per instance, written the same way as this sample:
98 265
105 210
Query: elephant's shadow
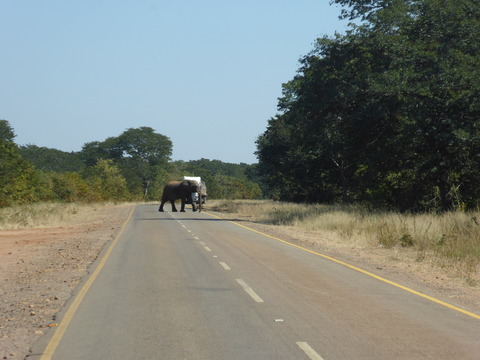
189 219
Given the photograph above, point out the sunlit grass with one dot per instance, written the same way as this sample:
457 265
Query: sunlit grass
450 239
43 214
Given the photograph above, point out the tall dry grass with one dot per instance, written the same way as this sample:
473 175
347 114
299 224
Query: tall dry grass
43 214
451 239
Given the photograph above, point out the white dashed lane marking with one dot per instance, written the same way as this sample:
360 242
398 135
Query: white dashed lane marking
225 266
249 291
307 349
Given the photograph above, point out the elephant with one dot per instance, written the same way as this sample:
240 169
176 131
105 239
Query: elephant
184 190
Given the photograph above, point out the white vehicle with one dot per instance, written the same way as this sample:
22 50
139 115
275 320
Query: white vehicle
203 189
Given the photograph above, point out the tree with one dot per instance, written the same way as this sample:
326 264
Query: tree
236 181
234 188
143 143
386 114
96 150
107 181
47 159
16 174
70 187
439 89
6 131
139 153
366 9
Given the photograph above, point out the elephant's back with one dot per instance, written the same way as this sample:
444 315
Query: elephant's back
173 183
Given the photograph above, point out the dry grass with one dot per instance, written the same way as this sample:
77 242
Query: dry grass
44 214
450 240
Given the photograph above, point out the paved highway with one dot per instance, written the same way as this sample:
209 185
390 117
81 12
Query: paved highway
193 286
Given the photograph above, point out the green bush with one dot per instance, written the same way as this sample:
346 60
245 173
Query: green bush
106 182
16 176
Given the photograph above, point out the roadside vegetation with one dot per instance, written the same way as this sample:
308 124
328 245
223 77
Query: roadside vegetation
46 214
386 114
449 240
134 166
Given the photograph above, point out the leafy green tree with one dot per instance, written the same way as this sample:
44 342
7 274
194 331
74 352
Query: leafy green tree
437 80
71 187
43 187
107 182
6 131
47 159
366 9
386 114
219 167
147 155
234 188
109 149
141 155
16 174
143 143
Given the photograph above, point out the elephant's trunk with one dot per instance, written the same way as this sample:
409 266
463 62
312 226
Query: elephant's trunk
199 201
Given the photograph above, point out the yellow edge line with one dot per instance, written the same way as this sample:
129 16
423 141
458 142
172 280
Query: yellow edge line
62 328
450 306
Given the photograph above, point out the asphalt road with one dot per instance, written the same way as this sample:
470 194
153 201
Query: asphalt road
192 286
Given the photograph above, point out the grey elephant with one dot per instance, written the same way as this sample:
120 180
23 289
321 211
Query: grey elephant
183 190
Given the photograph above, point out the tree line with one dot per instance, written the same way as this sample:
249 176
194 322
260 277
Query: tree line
387 114
132 166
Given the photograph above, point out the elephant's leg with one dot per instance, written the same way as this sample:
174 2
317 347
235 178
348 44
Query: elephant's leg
161 206
193 206
182 209
174 209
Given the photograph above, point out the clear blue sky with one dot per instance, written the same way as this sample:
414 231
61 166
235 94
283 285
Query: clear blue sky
207 74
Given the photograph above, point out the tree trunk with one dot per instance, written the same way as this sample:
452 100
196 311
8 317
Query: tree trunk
446 197
345 188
